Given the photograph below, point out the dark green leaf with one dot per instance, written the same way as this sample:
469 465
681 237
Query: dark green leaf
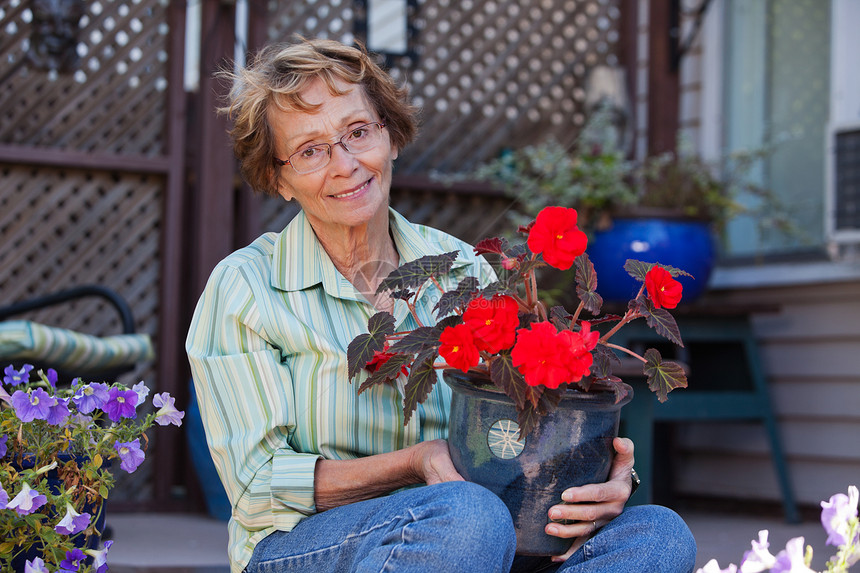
508 378
495 288
560 317
387 372
457 298
663 377
404 294
453 320
417 340
415 273
361 349
421 380
660 320
637 269
586 284
495 245
603 360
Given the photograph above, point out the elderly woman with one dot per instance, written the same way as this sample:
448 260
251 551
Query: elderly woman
316 473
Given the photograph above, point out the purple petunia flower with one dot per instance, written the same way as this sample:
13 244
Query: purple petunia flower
120 404
52 377
35 566
73 560
100 557
27 501
167 413
73 522
3 448
836 513
4 497
91 396
32 406
130 454
791 559
142 391
14 377
4 395
59 412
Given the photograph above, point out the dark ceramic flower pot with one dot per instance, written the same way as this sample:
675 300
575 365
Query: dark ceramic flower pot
570 447
683 243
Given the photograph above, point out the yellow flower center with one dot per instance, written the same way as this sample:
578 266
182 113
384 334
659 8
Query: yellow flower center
120 399
559 237
123 450
489 322
455 349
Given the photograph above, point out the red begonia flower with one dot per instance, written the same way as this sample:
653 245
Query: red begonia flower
556 235
458 347
578 349
537 355
381 357
493 322
664 291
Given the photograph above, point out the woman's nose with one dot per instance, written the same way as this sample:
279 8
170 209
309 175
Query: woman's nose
341 159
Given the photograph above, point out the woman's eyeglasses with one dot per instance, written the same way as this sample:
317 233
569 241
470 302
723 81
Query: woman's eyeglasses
315 157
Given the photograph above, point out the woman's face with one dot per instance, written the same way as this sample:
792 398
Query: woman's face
352 190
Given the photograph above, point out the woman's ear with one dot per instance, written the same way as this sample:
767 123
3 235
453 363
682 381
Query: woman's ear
283 189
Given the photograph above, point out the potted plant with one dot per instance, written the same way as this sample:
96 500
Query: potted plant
666 207
56 448
535 405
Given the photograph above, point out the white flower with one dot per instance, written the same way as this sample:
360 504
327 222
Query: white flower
758 559
713 567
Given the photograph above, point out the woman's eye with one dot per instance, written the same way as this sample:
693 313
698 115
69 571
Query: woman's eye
358 133
310 152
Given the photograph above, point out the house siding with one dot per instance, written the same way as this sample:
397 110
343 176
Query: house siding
811 354
810 349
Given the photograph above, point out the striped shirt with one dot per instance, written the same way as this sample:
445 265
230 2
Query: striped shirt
267 348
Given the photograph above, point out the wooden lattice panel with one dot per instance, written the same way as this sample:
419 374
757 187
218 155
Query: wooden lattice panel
61 228
489 74
112 100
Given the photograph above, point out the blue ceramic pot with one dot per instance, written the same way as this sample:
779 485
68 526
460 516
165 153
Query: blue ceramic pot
570 447
682 243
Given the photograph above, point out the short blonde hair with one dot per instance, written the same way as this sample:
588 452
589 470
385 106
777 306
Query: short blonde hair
278 74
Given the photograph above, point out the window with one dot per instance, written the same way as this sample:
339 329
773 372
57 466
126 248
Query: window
776 92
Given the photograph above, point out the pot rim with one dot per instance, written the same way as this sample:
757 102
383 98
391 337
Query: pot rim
458 379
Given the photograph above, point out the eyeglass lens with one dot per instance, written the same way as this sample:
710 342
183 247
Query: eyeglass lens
357 140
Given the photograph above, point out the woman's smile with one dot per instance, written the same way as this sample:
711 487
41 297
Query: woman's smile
354 192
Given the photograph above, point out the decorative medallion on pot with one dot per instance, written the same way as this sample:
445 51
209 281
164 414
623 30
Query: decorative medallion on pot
542 374
503 439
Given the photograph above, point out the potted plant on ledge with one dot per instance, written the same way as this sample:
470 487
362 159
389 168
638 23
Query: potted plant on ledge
535 405
667 207
56 452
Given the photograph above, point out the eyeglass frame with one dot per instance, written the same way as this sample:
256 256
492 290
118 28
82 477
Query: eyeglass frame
282 162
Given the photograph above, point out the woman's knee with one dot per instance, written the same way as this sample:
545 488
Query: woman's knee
476 513
666 530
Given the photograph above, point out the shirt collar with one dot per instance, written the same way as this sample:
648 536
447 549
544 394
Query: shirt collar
300 261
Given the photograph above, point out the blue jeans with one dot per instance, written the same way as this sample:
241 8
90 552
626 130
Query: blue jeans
463 527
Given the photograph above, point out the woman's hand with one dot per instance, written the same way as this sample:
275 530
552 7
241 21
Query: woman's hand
592 506
432 462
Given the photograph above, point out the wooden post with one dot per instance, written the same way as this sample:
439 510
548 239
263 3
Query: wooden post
663 77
